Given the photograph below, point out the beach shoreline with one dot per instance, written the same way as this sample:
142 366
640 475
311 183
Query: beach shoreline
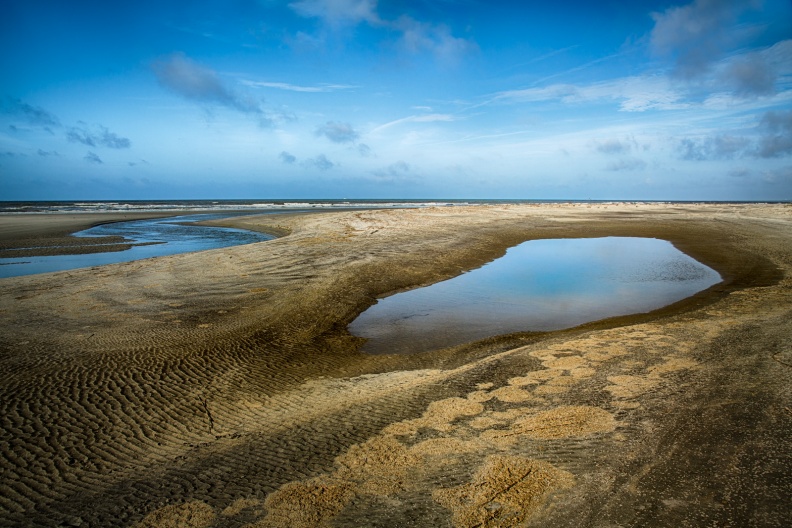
223 385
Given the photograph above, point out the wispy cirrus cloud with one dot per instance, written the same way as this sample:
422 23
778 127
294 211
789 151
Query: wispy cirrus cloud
711 58
321 88
633 94
421 118
738 79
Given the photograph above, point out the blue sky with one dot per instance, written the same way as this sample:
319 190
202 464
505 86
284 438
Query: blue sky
408 99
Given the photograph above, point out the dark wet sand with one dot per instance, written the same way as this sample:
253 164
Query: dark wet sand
221 388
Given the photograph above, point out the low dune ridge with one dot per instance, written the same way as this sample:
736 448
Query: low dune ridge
221 388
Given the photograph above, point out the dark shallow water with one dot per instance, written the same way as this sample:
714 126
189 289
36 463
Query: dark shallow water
166 236
539 285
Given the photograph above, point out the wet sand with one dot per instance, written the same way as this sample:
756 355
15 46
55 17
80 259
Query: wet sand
221 388
27 235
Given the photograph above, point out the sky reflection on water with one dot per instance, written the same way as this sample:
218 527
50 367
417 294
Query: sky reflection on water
539 285
169 236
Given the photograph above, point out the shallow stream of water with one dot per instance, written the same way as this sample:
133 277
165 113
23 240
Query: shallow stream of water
539 285
162 236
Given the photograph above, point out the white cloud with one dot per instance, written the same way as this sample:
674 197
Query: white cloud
780 176
364 150
34 115
776 134
183 76
756 73
91 157
423 118
320 162
418 37
97 136
634 94
338 132
697 35
614 146
398 172
322 88
338 12
771 138
626 164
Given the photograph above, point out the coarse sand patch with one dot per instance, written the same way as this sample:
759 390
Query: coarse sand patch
561 422
308 504
504 492
379 466
195 514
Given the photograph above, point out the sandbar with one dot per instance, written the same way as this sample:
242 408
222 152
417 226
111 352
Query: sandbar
221 388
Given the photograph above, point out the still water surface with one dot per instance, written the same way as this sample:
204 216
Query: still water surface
169 236
539 285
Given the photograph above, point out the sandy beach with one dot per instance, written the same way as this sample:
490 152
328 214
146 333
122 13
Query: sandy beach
221 388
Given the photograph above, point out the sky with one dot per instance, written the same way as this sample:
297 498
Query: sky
248 99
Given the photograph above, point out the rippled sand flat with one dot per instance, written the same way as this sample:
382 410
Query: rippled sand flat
222 389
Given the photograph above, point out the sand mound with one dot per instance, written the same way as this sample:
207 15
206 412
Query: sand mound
195 514
563 422
308 504
380 465
505 491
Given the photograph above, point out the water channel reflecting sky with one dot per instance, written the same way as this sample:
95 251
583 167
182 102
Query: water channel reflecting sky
166 236
537 286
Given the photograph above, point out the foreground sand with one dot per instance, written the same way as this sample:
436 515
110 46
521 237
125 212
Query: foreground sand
221 389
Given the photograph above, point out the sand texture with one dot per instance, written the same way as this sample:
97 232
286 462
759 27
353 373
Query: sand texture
221 389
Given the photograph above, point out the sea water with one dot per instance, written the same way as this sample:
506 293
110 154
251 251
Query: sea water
539 285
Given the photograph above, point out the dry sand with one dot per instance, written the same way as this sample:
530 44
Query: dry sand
221 388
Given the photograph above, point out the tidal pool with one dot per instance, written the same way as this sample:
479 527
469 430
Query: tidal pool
539 285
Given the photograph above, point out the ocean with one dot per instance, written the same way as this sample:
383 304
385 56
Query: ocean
100 206
104 206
